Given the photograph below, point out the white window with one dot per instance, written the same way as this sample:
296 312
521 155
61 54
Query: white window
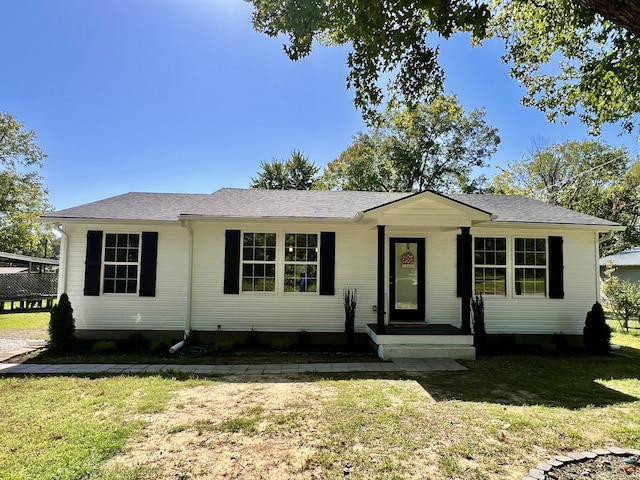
530 266
490 265
259 262
301 262
121 262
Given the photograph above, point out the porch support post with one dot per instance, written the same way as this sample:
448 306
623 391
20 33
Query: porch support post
466 277
381 279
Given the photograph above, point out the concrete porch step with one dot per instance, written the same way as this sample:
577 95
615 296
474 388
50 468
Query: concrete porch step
457 352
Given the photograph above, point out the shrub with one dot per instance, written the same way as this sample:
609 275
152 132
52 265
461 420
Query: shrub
281 344
350 302
222 347
159 345
104 346
62 325
596 331
137 341
479 332
253 338
622 296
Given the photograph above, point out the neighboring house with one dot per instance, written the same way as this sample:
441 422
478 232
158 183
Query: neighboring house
278 261
627 265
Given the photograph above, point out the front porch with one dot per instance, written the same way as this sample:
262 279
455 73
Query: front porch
421 340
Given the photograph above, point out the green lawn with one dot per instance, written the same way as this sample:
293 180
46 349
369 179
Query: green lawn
493 422
24 321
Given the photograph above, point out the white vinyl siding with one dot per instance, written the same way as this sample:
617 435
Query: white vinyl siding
166 311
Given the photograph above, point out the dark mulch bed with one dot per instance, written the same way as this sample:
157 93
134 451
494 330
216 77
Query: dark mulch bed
603 467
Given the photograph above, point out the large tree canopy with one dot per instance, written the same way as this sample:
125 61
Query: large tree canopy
432 146
22 195
596 41
296 173
588 177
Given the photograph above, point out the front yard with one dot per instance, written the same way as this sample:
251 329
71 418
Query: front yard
493 422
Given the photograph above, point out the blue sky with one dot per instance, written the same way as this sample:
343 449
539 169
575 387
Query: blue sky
183 96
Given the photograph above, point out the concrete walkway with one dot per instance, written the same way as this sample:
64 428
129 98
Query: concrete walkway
399 365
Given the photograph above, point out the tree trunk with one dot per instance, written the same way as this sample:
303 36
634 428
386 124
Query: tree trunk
625 13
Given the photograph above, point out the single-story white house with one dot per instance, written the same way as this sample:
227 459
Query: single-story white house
627 265
278 261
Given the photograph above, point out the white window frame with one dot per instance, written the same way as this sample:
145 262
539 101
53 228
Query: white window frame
309 250
115 263
262 262
525 266
494 265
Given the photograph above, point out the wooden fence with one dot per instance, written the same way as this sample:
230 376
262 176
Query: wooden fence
31 290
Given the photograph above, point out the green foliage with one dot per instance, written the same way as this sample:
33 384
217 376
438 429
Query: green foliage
597 333
62 325
104 346
432 146
222 347
571 61
594 43
622 296
282 344
22 194
159 345
588 177
382 39
296 173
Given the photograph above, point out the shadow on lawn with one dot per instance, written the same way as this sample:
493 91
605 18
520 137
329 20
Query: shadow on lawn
568 380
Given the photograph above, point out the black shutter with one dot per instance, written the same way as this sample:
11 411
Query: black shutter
327 263
93 263
556 268
232 262
459 271
148 264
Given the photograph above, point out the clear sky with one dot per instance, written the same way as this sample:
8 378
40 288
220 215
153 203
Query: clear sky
184 96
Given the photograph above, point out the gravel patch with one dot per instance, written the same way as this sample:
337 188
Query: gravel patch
9 344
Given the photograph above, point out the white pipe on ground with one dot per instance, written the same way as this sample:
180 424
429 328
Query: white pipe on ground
177 347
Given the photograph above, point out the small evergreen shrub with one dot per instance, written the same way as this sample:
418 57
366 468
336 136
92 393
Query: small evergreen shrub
222 347
281 344
253 338
104 346
62 325
159 345
597 333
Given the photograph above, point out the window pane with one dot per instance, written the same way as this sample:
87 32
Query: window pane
109 271
247 253
312 240
270 240
123 239
519 244
121 271
121 255
270 254
490 258
540 245
312 255
541 259
501 244
132 271
301 240
479 258
247 270
519 258
110 255
501 258
109 286
270 271
121 286
131 286
133 255
259 254
258 270
247 240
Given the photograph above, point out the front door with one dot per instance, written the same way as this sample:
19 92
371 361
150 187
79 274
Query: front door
406 286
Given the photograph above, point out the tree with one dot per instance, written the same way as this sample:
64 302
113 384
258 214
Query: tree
622 296
432 146
22 194
573 61
296 173
598 43
588 177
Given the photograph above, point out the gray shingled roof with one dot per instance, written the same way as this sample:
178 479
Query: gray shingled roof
252 203
627 258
